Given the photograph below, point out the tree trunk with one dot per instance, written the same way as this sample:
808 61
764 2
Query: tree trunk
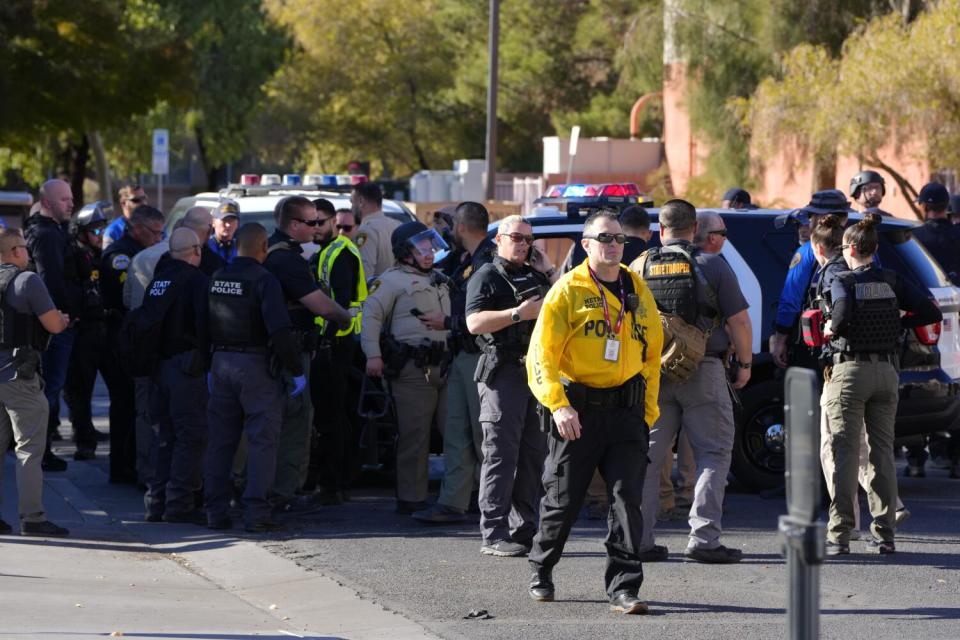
825 172
76 159
103 169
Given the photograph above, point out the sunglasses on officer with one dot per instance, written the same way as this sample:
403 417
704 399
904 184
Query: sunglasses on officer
719 232
518 237
607 238
310 223
345 227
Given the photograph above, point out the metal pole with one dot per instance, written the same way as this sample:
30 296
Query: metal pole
493 45
160 191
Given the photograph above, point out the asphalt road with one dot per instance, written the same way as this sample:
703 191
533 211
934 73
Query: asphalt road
436 576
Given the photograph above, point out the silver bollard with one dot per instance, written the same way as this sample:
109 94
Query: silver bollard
802 534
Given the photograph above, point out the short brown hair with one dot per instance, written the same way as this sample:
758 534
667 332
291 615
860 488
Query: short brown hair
10 238
678 215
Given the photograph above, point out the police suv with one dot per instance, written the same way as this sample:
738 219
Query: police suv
257 197
759 249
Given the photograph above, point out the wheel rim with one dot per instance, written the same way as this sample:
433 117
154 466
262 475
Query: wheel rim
763 438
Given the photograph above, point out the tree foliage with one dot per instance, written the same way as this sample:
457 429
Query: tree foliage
891 83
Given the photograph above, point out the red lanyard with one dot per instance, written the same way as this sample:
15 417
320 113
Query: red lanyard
615 330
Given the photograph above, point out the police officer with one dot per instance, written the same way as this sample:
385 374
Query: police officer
826 241
374 234
340 271
177 299
226 219
636 224
88 355
51 255
28 317
594 363
145 228
865 326
700 291
297 221
736 198
503 300
131 196
410 353
248 322
462 435
799 276
867 188
942 240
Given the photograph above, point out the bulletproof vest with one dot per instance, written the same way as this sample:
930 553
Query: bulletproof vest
18 329
672 279
818 295
88 269
525 284
300 316
875 323
235 318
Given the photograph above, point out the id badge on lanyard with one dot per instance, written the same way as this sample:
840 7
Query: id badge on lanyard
611 347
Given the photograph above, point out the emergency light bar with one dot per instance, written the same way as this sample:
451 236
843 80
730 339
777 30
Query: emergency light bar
582 199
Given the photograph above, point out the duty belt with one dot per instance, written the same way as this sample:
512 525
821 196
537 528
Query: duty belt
629 394
863 357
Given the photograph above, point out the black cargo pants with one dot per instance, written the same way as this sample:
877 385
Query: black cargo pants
615 441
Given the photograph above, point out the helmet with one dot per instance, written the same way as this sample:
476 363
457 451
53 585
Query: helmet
93 213
412 235
864 178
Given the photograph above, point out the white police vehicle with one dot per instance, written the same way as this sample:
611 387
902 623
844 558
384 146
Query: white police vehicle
257 197
759 251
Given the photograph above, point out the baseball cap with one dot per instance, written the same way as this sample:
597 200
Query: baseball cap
225 209
933 193
736 194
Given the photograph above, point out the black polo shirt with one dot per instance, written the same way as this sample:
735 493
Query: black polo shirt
286 262
488 290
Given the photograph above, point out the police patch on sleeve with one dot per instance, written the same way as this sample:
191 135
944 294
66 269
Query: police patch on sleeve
373 286
361 239
796 260
120 262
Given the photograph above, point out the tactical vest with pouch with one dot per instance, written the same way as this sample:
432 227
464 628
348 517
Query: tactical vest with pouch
875 324
674 279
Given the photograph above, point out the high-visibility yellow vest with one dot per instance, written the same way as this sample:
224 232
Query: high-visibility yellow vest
327 257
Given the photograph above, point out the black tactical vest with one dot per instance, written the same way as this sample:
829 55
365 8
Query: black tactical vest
875 325
525 283
235 317
18 329
672 279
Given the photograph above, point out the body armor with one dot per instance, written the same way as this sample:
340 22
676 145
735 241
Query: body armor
875 325
18 329
235 317
671 274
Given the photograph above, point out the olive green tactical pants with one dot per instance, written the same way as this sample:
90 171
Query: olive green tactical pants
293 452
462 436
862 393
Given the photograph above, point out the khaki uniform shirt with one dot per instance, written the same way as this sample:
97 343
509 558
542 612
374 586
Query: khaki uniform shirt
388 304
373 240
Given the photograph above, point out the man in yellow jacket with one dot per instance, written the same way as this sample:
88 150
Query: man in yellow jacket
594 364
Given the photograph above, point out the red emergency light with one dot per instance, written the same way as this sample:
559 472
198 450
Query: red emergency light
556 191
249 179
623 189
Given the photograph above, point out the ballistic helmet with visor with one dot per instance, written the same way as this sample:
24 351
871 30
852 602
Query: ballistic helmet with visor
93 213
415 237
864 178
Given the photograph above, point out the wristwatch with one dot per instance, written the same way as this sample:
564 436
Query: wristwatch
515 315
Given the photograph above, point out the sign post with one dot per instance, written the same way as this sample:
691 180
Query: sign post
574 140
802 534
161 160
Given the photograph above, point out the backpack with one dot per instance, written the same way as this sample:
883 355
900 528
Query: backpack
141 334
684 344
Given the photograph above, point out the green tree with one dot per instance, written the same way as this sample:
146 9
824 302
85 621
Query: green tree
890 83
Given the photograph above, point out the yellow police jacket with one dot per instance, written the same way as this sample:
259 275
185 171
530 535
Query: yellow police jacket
570 336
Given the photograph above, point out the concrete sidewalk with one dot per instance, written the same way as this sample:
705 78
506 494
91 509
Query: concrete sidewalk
116 575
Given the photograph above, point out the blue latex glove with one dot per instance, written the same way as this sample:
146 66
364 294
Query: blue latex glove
299 383
210 383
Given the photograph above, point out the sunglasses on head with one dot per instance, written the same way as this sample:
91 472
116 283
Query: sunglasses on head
607 238
518 237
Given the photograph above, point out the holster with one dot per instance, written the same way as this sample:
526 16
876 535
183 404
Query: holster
395 355
545 418
487 366
27 361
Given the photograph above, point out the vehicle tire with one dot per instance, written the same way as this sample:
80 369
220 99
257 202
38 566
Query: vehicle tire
758 461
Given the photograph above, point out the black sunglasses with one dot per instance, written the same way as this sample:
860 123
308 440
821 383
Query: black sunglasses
720 232
607 238
518 237
138 199
310 223
345 227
